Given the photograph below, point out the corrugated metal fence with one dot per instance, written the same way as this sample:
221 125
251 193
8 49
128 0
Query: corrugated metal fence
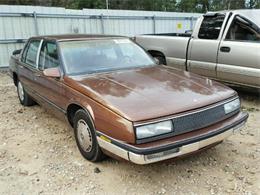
18 23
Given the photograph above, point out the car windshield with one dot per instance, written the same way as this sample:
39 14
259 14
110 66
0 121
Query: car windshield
94 56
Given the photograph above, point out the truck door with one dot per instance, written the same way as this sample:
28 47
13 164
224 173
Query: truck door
202 56
239 53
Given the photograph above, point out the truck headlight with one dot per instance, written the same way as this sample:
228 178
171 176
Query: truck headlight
154 129
232 106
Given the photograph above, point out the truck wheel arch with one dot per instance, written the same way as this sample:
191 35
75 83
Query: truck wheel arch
159 55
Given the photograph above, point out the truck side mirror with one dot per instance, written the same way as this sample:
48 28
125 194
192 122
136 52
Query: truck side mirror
52 72
17 51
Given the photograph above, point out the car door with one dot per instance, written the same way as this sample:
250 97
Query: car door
50 89
28 66
239 53
203 47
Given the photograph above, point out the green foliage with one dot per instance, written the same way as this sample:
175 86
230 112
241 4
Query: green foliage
200 6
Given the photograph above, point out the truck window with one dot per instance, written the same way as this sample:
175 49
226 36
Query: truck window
211 26
48 56
241 31
31 53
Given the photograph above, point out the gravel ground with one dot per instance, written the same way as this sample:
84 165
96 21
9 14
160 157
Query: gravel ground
38 155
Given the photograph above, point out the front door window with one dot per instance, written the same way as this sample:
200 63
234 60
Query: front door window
48 56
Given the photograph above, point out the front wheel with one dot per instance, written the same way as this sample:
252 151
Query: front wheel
86 137
23 96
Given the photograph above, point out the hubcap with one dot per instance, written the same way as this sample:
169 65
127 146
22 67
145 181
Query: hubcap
20 91
84 135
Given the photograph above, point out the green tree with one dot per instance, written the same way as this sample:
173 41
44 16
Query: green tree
253 4
97 4
200 6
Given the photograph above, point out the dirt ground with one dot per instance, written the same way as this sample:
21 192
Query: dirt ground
38 155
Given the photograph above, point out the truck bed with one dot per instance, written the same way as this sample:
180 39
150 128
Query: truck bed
172 45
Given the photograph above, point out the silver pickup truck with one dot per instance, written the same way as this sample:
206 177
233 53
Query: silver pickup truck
223 45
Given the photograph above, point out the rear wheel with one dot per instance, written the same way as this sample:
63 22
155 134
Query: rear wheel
23 96
159 56
86 137
161 59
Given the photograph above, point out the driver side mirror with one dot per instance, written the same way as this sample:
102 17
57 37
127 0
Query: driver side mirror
16 52
52 72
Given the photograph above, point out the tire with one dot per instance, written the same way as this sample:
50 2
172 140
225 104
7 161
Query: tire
23 96
161 59
86 137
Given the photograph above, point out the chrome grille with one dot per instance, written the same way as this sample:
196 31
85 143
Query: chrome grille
194 121
199 120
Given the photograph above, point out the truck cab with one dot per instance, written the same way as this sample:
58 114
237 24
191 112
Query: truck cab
223 46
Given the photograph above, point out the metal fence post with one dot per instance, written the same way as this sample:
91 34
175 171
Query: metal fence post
191 23
102 24
154 24
35 23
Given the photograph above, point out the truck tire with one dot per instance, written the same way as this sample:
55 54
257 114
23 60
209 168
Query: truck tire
159 56
161 59
23 96
86 137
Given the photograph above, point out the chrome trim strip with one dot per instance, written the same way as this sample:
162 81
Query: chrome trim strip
38 54
136 124
185 149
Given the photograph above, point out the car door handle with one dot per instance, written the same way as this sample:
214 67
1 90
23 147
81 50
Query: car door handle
225 49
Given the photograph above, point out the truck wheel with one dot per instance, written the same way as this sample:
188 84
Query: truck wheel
159 56
23 96
86 137
161 59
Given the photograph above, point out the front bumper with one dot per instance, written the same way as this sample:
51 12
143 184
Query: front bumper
155 154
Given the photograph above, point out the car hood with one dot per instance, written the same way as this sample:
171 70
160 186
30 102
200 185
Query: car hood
151 92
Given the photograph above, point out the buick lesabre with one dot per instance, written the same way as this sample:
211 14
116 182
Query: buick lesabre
120 102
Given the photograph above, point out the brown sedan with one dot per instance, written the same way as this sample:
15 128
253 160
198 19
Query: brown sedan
120 102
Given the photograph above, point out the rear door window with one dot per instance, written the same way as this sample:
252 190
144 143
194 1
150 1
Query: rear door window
31 53
211 26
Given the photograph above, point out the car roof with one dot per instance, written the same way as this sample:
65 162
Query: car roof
71 37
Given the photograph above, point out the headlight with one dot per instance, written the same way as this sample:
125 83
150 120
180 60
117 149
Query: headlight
154 129
232 106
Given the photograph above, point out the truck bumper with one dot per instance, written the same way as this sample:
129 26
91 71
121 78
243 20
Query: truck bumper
147 156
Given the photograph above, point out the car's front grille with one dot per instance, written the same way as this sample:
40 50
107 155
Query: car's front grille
199 120
194 121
